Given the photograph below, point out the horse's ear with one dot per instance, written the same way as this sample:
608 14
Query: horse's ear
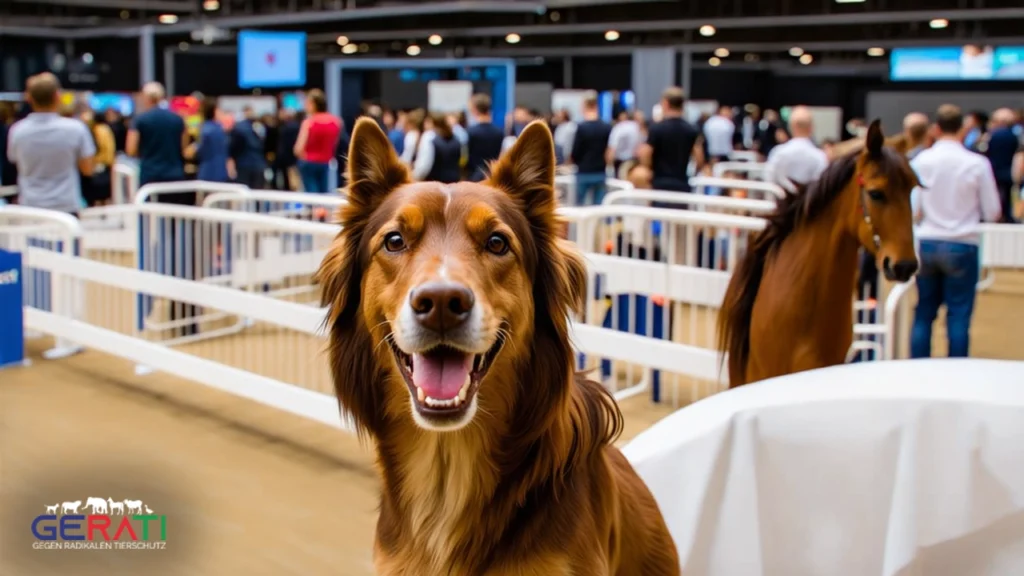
374 169
875 139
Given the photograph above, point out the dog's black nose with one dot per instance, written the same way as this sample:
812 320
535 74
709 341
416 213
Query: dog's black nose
901 271
441 306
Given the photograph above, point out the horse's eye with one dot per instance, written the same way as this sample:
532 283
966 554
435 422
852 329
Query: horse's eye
497 244
876 195
394 242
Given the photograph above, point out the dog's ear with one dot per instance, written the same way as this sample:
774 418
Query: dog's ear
527 170
572 272
374 169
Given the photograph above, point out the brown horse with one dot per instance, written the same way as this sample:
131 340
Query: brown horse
788 306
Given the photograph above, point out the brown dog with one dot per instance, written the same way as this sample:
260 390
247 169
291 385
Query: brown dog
449 345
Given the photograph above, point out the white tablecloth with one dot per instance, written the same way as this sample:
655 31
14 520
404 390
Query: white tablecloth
911 468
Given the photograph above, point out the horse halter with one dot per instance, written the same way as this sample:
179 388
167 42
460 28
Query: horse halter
867 217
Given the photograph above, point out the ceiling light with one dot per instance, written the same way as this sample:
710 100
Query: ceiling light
513 38
796 51
722 52
806 59
555 16
611 35
751 57
939 23
707 30
87 58
211 5
714 61
364 47
182 46
349 49
876 51
435 39
168 18
125 14
413 50
342 40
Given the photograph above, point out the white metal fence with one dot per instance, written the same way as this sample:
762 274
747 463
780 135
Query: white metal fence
657 276
207 294
23 229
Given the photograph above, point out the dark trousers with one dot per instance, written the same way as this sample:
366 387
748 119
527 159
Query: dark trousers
867 284
252 176
1006 200
590 188
948 275
280 177
175 255
314 176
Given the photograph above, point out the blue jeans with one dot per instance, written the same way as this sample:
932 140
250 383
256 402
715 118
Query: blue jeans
314 176
590 186
948 275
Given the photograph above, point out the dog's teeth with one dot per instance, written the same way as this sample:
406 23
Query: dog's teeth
457 401
434 402
420 394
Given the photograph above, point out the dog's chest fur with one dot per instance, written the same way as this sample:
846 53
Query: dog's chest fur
442 492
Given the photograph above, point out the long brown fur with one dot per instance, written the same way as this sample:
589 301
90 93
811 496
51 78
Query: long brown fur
532 486
816 340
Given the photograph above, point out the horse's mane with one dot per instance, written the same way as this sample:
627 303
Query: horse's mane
796 209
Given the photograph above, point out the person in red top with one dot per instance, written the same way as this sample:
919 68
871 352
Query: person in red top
314 148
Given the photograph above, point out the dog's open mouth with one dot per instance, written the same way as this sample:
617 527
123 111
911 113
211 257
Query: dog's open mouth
444 380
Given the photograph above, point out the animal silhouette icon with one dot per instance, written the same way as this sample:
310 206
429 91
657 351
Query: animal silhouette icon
71 507
116 507
148 511
134 506
52 509
98 505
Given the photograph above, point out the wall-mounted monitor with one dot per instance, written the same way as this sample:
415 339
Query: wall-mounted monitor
970 62
122 103
271 59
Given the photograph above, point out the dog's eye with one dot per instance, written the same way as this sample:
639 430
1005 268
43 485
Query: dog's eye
497 244
394 242
876 195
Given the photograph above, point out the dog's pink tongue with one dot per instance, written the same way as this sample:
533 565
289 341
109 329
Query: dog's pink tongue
441 374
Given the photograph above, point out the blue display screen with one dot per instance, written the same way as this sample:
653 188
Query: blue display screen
971 62
123 103
271 59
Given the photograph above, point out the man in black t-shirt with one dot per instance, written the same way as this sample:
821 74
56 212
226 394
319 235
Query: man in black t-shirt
484 144
590 154
670 145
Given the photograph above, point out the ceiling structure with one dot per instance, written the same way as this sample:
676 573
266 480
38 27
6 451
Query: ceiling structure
750 31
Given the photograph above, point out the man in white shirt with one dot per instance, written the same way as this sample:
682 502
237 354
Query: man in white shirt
797 161
718 133
565 133
958 190
624 140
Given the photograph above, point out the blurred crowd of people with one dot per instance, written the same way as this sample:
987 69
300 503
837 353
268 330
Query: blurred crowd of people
295 150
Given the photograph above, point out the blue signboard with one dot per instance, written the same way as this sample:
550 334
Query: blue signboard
12 336
971 62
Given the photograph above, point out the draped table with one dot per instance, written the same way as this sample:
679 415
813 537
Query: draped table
900 468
